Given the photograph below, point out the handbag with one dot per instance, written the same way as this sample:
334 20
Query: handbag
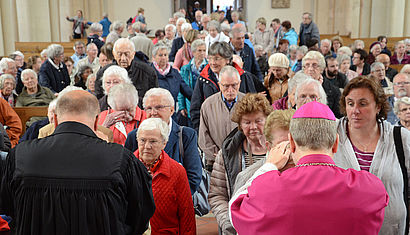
200 197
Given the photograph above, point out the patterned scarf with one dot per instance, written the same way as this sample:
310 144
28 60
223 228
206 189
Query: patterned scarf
163 72
153 167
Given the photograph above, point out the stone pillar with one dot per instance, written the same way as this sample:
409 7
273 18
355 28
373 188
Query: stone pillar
397 18
365 18
9 25
406 28
355 18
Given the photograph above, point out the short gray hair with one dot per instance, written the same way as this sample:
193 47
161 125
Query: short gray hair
4 64
54 50
185 27
376 65
229 71
136 26
326 40
405 67
356 42
297 79
197 43
179 15
314 55
345 50
398 43
204 16
121 41
293 47
159 92
342 57
322 93
302 49
116 71
181 19
5 77
96 27
309 14
28 71
214 24
404 100
159 46
221 48
150 124
313 133
123 92
43 53
258 47
90 45
117 25
174 28
88 79
16 53
236 30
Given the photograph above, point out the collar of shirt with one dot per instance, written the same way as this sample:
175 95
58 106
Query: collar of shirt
235 51
229 104
170 125
60 66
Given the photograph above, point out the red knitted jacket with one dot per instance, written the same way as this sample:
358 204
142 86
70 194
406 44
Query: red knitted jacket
174 212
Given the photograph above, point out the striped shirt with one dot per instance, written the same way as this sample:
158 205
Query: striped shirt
255 158
364 158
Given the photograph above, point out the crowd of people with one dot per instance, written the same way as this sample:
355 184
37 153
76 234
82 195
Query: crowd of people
271 116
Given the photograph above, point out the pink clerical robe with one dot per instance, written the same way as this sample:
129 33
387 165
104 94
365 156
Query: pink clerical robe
311 199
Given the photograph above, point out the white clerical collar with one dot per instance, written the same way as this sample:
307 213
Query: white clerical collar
55 66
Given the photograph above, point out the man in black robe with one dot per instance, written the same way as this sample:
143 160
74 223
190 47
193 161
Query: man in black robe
72 182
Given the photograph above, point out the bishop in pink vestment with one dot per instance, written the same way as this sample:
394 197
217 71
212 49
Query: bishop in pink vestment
315 197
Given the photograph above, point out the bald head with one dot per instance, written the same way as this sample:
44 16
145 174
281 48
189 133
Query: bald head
384 59
77 105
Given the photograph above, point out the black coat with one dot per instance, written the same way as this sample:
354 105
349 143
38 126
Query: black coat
366 69
142 75
96 40
207 85
249 62
176 44
54 79
73 182
339 81
333 96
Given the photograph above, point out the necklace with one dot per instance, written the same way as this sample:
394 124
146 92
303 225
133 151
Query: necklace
316 164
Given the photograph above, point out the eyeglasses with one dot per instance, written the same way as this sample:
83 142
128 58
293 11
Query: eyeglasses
215 58
126 53
401 83
156 108
308 98
404 109
151 142
247 123
314 66
226 86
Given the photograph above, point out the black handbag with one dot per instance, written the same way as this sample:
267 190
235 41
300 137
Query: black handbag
200 197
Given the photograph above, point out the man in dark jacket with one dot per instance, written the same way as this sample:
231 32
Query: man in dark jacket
308 29
237 37
79 182
332 73
96 31
53 72
158 103
142 75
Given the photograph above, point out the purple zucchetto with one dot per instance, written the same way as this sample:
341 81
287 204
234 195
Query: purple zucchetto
314 109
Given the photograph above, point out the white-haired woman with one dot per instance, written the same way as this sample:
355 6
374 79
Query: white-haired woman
170 31
313 65
115 33
90 83
402 111
112 76
288 101
344 66
125 114
33 94
174 212
215 34
53 72
400 56
7 86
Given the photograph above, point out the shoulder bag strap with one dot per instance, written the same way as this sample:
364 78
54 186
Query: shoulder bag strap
181 144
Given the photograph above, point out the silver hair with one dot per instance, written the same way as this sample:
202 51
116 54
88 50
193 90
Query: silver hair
322 93
214 24
159 92
54 50
174 28
123 93
236 30
356 42
404 100
90 45
185 27
181 19
117 25
5 77
179 15
345 50
398 43
88 79
204 16
374 46
376 65
258 47
221 48
303 49
326 40
197 43
4 64
17 53
342 57
43 53
159 46
28 71
313 133
235 13
308 13
150 124
405 67
136 26
123 40
225 27
96 27
293 48
314 55
230 71
116 71
297 79
52 105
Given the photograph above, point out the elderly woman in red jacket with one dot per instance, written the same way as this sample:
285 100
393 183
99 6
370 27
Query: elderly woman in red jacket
125 114
174 213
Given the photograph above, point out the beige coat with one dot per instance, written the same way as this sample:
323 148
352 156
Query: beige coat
215 125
